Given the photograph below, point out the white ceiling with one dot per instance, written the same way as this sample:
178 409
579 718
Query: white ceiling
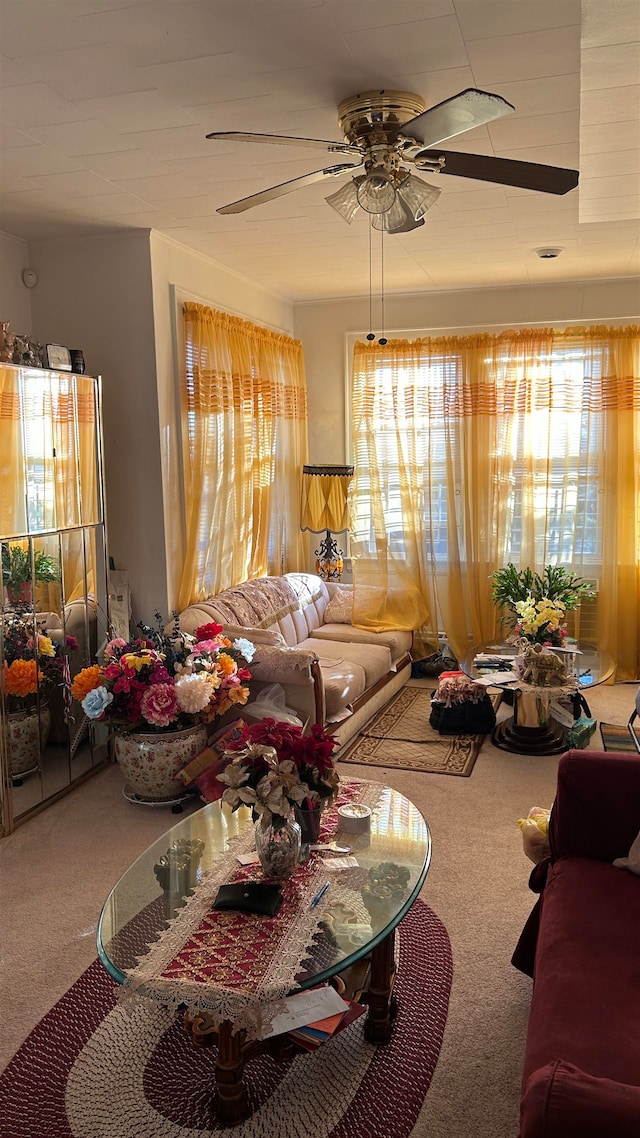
104 107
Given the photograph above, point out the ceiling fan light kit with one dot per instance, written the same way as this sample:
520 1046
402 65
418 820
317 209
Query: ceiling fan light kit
383 128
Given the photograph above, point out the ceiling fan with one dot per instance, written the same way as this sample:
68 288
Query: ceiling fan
382 130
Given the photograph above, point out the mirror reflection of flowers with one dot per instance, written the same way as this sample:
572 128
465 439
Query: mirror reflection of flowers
273 767
32 660
159 682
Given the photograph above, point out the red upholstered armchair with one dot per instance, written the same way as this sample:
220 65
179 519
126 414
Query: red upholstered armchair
581 944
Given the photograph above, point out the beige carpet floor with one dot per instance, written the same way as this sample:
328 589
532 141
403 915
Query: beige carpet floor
56 871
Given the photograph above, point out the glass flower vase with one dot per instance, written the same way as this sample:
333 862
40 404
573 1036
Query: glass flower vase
278 845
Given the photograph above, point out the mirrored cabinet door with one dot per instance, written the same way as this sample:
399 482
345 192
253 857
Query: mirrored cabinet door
53 599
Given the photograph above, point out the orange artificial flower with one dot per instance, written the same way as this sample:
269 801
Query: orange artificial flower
86 681
22 677
226 664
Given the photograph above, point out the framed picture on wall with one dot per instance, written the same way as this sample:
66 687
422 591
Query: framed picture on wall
58 358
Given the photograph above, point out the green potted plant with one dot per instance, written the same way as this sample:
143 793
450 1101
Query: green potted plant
536 604
16 571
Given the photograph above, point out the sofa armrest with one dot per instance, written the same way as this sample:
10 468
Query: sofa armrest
298 671
596 812
282 665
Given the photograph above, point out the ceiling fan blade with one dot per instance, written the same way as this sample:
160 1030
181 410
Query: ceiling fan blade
287 187
456 115
284 140
525 175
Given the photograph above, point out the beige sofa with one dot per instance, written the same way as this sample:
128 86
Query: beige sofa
332 673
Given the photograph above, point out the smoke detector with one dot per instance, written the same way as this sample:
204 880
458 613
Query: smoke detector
547 254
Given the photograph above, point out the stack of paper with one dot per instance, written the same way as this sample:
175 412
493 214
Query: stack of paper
312 1035
314 1016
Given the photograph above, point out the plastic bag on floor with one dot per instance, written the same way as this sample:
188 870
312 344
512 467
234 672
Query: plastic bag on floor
270 704
535 833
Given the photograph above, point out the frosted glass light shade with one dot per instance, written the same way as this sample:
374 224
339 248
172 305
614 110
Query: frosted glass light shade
376 193
417 195
345 201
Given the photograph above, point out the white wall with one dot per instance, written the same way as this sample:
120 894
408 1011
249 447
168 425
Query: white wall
94 293
15 297
323 329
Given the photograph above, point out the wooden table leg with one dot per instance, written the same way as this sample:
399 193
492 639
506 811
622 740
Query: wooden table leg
230 1103
378 1024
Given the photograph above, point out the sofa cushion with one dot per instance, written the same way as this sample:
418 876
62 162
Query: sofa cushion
586 989
340 607
374 659
562 1101
396 641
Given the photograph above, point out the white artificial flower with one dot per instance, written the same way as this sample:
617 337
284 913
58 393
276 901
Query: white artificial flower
245 647
193 692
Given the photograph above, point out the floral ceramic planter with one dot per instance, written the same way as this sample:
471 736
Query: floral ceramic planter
28 734
150 762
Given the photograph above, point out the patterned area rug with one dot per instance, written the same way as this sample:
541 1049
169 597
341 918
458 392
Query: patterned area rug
616 738
93 1069
401 736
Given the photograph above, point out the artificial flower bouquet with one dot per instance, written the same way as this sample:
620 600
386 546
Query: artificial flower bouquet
536 605
32 660
159 682
273 767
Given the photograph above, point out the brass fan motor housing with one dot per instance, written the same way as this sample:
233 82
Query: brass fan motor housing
374 117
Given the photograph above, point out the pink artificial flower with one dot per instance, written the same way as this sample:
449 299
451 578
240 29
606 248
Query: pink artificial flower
159 705
205 646
72 643
113 645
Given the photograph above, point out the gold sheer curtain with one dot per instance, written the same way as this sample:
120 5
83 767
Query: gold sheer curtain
473 451
244 416
13 517
48 465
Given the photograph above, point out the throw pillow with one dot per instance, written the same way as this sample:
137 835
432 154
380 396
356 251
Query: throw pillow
340 607
631 862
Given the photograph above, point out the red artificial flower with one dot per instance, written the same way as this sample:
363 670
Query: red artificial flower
207 631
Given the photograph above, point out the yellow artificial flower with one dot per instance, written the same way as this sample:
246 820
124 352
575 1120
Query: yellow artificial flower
138 660
46 646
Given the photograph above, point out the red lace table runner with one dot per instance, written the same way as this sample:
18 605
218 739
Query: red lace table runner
240 966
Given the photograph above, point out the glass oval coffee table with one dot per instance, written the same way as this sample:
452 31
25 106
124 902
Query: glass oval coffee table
350 942
534 729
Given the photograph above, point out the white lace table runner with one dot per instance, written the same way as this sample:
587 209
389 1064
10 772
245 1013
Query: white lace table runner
239 966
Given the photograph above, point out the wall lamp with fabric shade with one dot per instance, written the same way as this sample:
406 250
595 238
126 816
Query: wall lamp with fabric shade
324 509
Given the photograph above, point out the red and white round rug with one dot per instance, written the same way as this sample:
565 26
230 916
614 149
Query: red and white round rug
92 1068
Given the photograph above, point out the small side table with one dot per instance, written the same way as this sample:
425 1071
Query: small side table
532 730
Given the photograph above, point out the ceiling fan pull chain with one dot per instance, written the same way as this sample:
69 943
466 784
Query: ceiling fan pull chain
371 334
383 338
